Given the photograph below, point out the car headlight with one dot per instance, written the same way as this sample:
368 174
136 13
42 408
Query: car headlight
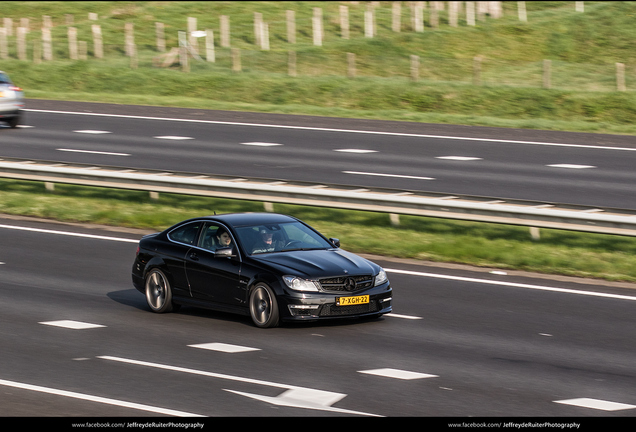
299 284
381 278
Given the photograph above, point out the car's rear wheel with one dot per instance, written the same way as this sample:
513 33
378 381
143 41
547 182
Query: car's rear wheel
263 306
158 292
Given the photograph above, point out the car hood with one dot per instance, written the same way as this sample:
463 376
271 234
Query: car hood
314 264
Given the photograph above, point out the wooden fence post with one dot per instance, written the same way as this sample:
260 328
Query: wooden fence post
453 13
47 44
344 22
316 21
547 74
369 24
521 10
98 47
72 43
396 13
225 31
129 38
160 36
291 26
415 67
209 46
470 13
21 42
258 28
351 65
620 77
236 60
193 41
4 46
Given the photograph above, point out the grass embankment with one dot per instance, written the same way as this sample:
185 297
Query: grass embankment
583 48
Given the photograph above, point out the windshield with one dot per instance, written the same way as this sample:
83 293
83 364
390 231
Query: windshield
282 237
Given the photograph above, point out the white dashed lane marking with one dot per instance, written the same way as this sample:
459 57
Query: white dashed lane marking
75 325
360 151
396 373
222 347
93 132
596 404
571 166
388 175
459 158
93 152
261 144
173 137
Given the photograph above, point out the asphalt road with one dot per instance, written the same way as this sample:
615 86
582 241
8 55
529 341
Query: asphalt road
461 343
559 167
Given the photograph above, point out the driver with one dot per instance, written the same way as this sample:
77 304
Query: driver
265 242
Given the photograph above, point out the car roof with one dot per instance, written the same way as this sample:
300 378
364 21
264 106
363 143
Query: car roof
247 219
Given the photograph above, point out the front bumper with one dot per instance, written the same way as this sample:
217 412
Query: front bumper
321 306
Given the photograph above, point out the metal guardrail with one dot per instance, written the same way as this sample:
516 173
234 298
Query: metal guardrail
462 207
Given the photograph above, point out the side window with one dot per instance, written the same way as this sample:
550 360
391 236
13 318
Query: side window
214 236
208 236
186 234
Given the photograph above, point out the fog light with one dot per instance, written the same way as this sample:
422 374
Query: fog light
303 310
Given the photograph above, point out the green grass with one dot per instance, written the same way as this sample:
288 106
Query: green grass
480 244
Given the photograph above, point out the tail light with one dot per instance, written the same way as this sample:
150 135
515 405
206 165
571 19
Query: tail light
14 88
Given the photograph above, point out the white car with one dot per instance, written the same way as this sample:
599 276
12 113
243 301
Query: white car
11 101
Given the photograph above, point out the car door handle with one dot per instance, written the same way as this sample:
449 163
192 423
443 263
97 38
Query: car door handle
194 257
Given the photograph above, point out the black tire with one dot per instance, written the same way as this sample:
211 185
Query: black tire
158 292
263 306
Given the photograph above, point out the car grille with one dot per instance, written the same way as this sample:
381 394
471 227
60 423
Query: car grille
346 283
334 310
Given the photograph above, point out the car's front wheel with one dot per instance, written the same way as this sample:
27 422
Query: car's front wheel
263 306
158 292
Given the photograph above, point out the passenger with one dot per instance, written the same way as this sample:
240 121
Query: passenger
223 238
265 242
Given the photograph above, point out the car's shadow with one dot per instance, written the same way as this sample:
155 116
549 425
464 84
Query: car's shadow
132 298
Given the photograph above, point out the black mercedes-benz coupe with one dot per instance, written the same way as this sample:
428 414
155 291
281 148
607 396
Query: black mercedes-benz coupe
268 266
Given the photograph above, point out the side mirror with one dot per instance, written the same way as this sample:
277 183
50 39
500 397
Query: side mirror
225 252
335 242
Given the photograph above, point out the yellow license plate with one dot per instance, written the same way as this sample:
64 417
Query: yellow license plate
348 301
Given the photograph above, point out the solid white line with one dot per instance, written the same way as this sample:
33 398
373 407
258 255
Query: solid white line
338 130
388 175
93 152
97 399
512 284
46 231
